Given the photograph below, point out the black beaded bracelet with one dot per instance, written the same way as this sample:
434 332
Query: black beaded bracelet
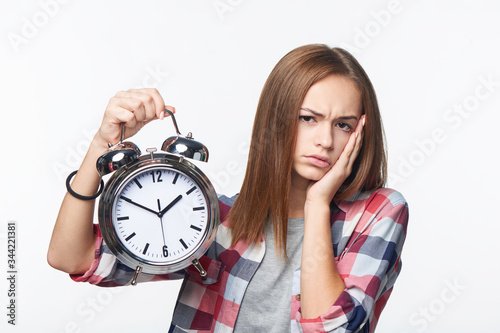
79 196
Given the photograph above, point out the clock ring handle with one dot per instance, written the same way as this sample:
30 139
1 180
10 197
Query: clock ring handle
184 146
122 134
174 121
119 144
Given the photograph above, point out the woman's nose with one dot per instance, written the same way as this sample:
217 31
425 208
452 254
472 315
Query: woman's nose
324 136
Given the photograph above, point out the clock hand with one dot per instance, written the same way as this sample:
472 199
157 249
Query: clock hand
138 205
170 205
161 222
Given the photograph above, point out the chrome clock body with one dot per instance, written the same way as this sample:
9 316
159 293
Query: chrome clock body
137 235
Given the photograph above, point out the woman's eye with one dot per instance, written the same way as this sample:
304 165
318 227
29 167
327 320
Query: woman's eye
344 126
306 119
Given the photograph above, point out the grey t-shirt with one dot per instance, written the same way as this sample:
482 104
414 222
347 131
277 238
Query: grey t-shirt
267 301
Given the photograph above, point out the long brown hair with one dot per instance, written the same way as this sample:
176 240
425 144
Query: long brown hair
266 186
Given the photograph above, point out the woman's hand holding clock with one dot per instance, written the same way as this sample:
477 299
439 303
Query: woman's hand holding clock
72 244
134 108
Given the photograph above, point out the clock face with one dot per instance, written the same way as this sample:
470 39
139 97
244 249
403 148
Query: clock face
160 215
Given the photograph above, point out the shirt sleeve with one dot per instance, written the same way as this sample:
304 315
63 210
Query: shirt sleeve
369 266
107 271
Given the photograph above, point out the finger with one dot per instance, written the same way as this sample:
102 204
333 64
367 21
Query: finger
119 115
349 148
353 145
158 102
124 107
165 114
110 129
140 103
361 132
358 142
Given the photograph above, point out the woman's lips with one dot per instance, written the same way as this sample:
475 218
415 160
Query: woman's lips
319 161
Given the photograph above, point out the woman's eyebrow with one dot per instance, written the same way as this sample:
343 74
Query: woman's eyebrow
348 118
319 114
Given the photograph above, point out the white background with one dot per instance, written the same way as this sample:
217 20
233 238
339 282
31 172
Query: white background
60 62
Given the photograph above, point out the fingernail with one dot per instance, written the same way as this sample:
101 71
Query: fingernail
364 120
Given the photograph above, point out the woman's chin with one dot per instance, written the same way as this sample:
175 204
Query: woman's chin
311 175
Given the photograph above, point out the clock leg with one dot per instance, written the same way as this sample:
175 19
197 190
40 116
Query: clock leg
200 269
138 271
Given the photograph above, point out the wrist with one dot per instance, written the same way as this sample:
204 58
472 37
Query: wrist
88 167
317 207
320 196
97 146
317 202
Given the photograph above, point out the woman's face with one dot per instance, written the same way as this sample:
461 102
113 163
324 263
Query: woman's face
329 114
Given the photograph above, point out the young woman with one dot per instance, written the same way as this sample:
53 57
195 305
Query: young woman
313 240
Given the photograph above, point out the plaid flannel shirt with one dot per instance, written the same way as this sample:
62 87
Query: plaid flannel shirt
368 232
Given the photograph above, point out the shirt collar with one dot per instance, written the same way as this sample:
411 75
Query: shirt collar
346 204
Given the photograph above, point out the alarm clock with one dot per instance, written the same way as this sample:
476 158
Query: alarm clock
158 212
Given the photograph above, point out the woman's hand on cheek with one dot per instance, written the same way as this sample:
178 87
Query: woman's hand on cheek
323 190
134 108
